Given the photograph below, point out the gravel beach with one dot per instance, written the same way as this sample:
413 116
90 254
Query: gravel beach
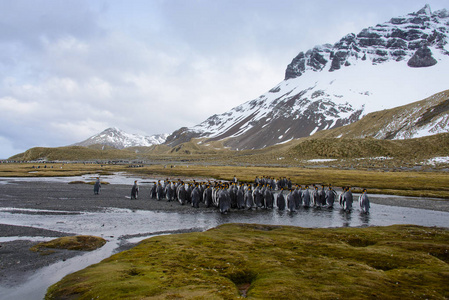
17 262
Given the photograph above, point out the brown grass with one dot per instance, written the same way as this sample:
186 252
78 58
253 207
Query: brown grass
421 184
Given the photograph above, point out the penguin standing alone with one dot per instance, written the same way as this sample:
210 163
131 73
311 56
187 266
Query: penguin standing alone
364 202
134 190
97 186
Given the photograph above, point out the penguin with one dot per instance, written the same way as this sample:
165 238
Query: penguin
257 196
97 186
169 192
195 197
154 191
240 199
341 196
189 193
306 197
224 202
330 197
182 194
207 196
296 194
159 191
249 199
280 200
315 197
291 203
322 196
233 193
348 200
364 202
134 190
268 198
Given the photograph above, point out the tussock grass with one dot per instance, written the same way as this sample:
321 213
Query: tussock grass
272 262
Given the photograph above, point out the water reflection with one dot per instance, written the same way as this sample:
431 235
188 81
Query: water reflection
346 218
364 218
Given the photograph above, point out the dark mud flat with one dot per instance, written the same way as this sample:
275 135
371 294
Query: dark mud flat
17 261
80 197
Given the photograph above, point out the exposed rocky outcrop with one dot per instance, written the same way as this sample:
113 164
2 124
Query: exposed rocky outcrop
422 58
401 38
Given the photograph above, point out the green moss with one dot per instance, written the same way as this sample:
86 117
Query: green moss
272 262
79 242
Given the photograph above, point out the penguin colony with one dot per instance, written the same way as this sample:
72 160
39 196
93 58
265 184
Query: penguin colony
258 195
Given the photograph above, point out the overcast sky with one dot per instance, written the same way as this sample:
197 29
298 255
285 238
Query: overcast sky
72 68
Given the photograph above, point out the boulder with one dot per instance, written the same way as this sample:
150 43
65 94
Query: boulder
422 58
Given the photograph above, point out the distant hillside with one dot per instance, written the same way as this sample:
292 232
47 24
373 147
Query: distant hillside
356 151
72 153
337 148
428 115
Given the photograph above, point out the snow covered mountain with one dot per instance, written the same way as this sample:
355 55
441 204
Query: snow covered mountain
391 64
119 139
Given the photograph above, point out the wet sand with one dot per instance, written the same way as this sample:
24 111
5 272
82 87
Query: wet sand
17 262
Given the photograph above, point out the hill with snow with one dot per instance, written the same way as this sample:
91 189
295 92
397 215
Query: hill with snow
403 60
418 119
116 138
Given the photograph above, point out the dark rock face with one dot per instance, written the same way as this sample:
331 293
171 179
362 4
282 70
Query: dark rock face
297 67
180 136
336 63
316 60
422 58
396 40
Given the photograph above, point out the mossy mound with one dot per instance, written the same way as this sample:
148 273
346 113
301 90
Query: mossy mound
272 262
79 242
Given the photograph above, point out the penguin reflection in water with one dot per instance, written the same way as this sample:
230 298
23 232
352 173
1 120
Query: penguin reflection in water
134 190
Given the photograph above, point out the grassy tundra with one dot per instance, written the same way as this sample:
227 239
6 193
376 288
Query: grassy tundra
272 262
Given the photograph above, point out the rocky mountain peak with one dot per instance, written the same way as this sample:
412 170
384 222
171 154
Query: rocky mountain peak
425 10
401 38
117 138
